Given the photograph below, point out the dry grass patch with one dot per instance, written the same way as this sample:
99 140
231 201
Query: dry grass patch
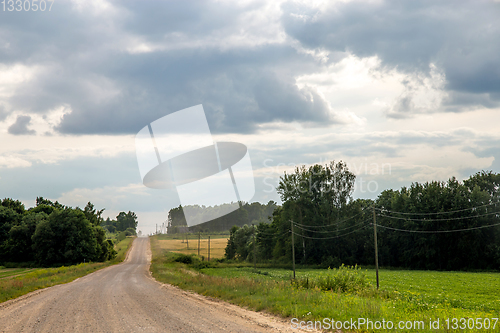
217 246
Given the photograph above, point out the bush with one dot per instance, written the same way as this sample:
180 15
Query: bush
130 232
187 259
347 279
121 236
205 264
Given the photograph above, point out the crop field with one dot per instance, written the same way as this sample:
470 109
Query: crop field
217 246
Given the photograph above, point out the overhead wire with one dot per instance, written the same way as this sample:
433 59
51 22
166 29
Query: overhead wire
333 224
435 213
330 231
444 219
437 231
273 234
348 233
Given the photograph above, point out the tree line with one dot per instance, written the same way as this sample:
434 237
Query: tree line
52 234
249 213
415 227
125 222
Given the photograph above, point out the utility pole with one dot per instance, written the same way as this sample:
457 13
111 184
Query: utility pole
254 256
375 238
199 237
208 248
187 241
293 252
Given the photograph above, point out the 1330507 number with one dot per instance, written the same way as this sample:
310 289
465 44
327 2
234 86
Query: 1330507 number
26 5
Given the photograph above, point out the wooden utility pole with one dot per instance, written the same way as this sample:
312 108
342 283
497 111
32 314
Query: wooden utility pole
199 236
375 238
208 248
293 252
187 241
254 256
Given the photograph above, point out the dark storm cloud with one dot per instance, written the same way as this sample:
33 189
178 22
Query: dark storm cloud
20 127
154 18
109 90
84 64
460 37
238 89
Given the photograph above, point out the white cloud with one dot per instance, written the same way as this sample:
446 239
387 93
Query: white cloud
13 162
12 77
422 94
111 197
22 152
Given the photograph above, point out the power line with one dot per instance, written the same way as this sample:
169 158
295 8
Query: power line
436 213
445 219
273 234
330 225
348 233
330 231
437 231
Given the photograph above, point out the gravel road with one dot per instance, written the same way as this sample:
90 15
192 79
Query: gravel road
125 298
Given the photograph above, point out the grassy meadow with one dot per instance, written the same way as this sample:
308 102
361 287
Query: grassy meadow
15 282
343 294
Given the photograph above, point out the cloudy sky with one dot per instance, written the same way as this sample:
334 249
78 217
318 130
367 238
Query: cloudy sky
402 91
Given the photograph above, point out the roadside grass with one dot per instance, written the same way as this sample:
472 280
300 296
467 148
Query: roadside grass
34 279
403 296
8 272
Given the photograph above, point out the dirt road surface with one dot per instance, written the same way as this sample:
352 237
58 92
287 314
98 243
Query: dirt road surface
125 298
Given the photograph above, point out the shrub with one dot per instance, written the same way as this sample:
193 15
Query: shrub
187 259
130 232
121 236
347 279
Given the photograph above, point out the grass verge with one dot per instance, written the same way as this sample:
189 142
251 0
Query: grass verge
40 278
322 294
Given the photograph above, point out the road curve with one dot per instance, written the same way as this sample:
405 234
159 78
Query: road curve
124 298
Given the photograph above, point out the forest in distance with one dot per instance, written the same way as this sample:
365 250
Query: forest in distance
452 225
52 234
249 213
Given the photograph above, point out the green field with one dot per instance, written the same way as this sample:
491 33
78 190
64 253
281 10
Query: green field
403 296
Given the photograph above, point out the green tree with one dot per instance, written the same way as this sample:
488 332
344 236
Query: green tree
15 205
8 218
93 216
19 243
47 202
126 220
66 237
312 197
240 243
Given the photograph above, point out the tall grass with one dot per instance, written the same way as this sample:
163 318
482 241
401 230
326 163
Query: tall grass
345 279
46 277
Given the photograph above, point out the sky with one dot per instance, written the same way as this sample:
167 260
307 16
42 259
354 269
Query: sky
402 91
